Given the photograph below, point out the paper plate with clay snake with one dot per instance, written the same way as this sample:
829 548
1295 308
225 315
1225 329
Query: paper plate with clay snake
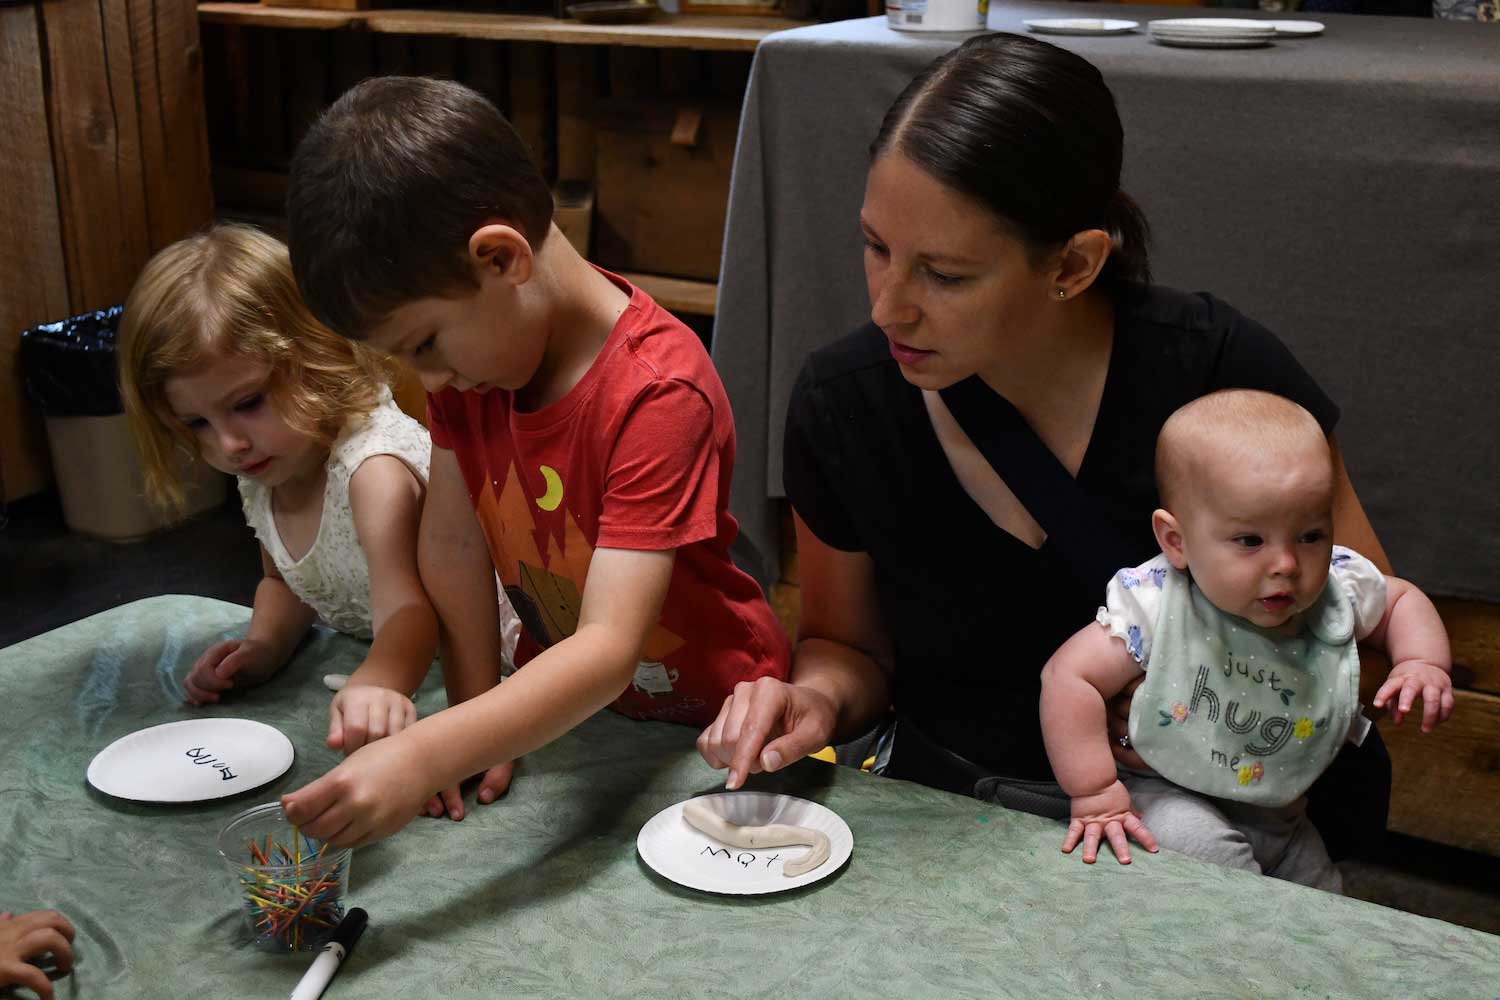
745 843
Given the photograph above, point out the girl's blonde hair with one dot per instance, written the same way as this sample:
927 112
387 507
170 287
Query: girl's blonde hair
228 292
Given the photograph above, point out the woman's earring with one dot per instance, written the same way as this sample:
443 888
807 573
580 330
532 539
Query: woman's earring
1061 294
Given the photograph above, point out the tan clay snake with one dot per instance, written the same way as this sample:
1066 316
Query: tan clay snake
705 819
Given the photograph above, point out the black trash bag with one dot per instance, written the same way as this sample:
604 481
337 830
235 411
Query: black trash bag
70 368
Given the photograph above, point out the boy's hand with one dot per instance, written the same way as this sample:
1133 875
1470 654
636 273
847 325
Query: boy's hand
29 937
228 664
1107 814
1413 679
375 792
492 784
364 713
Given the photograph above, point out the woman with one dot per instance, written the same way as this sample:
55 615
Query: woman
970 466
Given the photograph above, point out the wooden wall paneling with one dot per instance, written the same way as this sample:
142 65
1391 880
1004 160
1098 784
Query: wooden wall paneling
482 66
168 72
216 93
729 74
307 57
577 86
240 70
353 60
529 66
436 56
682 73
33 277
264 132
1446 783
634 72
393 55
96 149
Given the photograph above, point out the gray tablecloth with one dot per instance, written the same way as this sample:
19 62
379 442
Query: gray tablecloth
1343 190
542 894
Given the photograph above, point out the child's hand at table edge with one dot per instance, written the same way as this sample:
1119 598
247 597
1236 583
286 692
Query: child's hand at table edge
30 936
493 784
229 664
363 713
1106 814
1413 679
375 792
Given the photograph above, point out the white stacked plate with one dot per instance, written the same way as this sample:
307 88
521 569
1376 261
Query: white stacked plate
1081 25
1212 32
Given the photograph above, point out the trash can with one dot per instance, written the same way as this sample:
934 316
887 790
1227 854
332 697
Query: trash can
71 372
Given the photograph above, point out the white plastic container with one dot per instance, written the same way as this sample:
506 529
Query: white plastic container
937 15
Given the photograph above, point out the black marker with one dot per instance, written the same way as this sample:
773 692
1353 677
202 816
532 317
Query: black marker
339 945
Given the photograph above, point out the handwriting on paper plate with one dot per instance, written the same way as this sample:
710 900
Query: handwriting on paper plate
744 858
202 756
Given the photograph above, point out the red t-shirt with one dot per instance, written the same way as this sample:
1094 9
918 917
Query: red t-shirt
637 455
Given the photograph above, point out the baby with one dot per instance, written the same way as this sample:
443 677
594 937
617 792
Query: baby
1246 628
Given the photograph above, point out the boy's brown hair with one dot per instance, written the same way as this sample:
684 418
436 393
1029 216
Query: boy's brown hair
228 293
386 189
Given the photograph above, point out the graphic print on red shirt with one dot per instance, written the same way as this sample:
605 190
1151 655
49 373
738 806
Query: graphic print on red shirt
637 455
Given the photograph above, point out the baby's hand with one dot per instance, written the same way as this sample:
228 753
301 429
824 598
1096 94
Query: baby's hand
29 937
228 664
1107 814
364 713
1413 679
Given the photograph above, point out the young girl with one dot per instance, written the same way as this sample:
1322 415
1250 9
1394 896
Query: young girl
219 355
1246 627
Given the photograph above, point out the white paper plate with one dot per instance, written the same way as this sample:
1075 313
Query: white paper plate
191 761
1213 25
1297 29
1081 25
680 852
1209 41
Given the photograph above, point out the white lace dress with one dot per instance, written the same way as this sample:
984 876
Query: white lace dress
332 577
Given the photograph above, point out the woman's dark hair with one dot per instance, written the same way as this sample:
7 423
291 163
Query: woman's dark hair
1031 131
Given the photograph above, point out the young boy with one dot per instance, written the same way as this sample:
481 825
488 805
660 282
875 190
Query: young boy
582 450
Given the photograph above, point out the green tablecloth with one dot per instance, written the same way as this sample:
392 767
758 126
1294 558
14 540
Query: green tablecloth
542 894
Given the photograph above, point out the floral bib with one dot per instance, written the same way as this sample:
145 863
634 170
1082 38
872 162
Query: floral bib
1232 711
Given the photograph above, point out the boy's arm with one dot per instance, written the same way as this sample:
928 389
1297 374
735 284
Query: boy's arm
277 623
378 790
1411 633
459 577
385 498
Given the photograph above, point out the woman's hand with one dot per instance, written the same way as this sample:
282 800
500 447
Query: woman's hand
29 937
763 725
1106 815
233 663
1117 713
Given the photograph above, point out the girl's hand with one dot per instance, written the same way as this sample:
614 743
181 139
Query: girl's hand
1107 814
232 663
363 713
1413 679
28 937
375 792
492 784
764 725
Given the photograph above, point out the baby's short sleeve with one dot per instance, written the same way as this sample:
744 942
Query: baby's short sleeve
1131 602
1364 586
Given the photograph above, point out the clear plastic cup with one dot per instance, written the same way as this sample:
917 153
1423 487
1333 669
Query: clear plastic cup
291 886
